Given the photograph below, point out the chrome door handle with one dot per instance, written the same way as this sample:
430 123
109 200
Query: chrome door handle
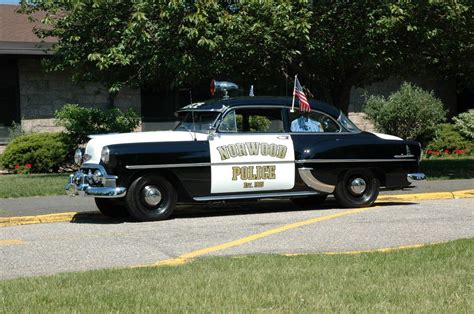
283 137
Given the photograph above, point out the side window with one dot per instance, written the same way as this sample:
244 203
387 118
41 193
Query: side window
313 122
253 120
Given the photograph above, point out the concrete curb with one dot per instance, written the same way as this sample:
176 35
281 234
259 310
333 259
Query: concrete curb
427 196
28 220
69 216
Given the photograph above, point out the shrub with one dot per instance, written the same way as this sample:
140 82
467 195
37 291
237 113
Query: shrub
37 152
409 113
81 122
447 141
464 123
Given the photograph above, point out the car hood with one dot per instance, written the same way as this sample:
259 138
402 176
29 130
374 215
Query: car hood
97 142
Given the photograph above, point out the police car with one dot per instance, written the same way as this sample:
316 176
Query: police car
239 149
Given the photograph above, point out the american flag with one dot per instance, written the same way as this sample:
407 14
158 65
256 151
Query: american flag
298 92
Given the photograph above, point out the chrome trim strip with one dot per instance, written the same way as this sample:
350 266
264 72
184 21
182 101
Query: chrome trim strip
304 161
312 182
161 166
250 196
208 164
253 163
404 156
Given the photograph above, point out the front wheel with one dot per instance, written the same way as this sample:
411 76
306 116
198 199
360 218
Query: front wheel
151 197
357 188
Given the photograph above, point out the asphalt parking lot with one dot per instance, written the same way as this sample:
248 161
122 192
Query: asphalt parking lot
41 205
90 241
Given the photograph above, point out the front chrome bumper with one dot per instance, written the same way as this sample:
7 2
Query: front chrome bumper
416 176
82 183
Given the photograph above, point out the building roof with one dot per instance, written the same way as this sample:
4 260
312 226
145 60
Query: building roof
17 36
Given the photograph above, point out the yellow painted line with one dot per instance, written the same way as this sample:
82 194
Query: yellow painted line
12 242
28 220
189 256
383 250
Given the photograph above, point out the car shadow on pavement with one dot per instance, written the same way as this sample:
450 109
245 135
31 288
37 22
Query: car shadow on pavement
97 218
224 209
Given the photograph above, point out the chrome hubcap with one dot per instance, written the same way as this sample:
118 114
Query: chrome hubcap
151 195
358 186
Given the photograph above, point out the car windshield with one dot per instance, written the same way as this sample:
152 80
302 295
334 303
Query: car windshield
348 124
197 121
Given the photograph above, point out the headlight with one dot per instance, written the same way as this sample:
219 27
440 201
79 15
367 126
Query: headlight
78 156
105 155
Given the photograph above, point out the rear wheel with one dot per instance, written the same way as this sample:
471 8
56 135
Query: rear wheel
357 188
308 201
151 197
114 208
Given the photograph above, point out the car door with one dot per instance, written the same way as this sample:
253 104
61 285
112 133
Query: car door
251 152
317 138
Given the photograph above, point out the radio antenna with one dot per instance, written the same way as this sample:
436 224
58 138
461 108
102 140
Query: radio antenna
194 125
192 114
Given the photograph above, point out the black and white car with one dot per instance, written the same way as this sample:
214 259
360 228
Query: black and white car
238 149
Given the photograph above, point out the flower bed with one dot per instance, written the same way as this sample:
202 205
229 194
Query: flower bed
446 153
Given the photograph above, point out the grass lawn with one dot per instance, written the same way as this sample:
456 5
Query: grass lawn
448 168
436 278
32 185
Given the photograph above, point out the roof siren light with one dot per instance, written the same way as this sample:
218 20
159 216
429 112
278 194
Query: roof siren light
222 86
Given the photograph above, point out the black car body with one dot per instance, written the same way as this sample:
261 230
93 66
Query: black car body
243 148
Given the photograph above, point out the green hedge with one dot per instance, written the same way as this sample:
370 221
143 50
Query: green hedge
37 153
410 113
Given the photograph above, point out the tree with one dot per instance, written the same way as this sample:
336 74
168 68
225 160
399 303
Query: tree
117 42
355 43
173 43
333 45
259 40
